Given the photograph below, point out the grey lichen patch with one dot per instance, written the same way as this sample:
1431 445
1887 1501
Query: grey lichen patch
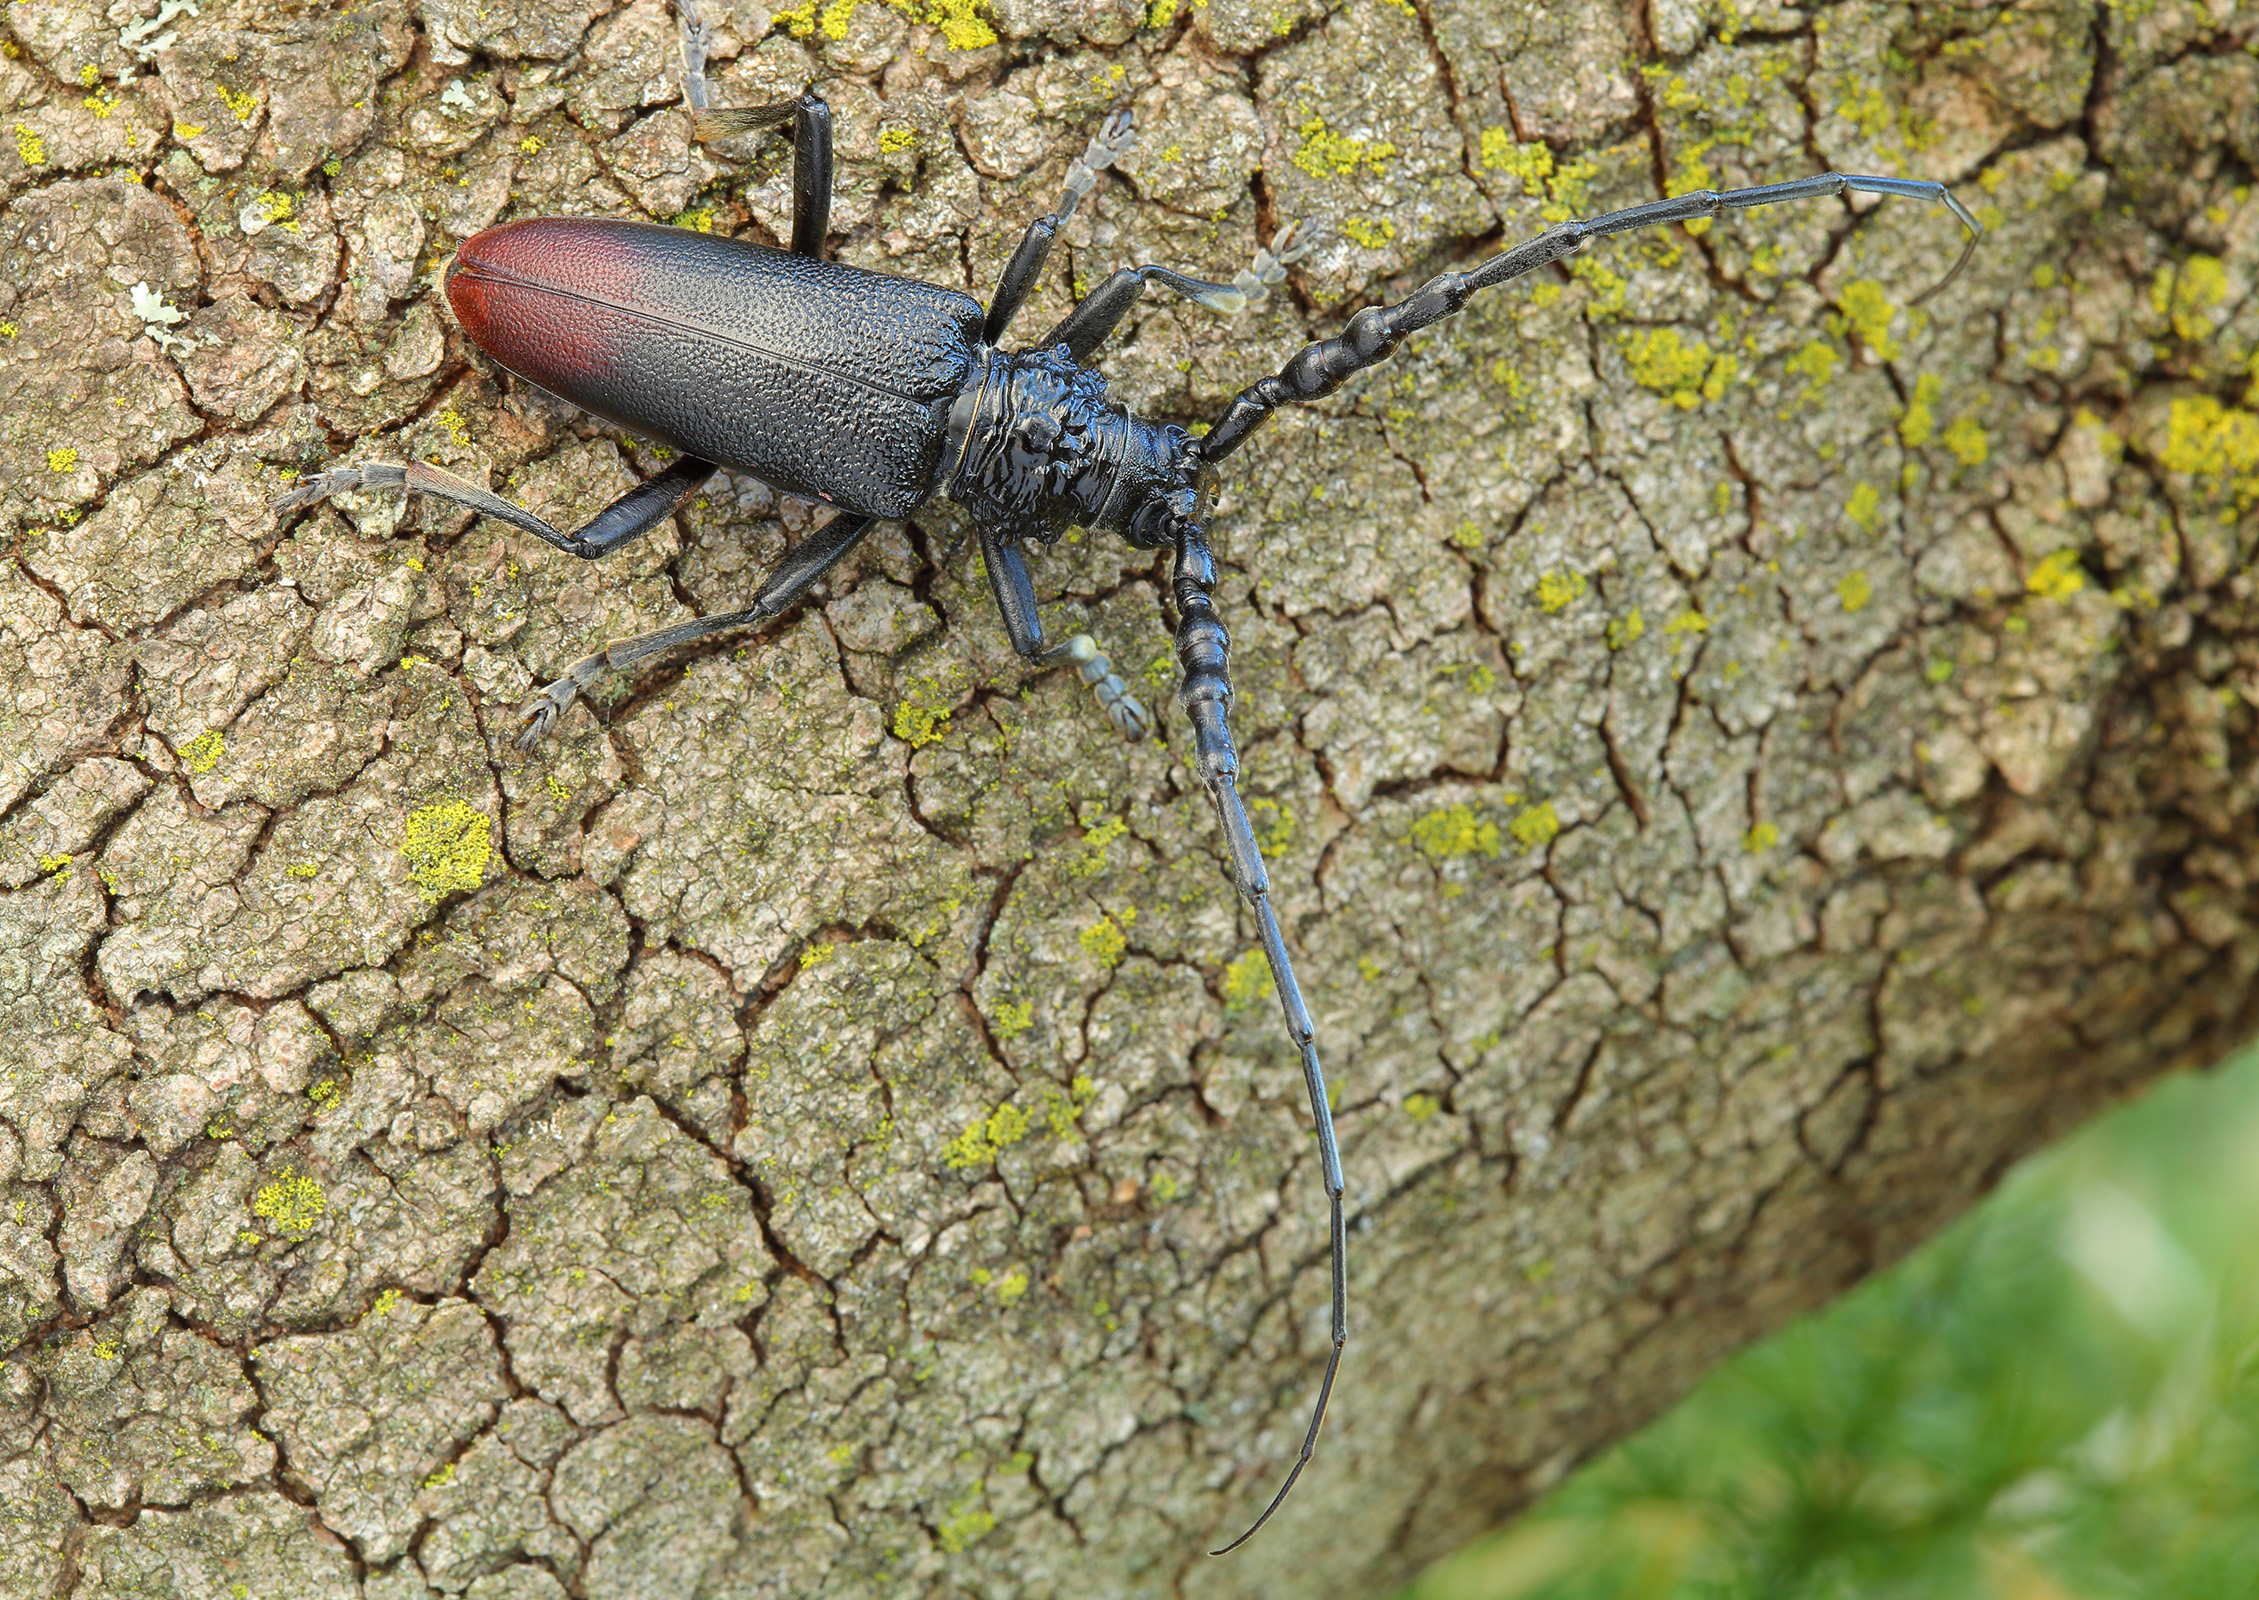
768 764
881 1131
150 1413
200 672
63 685
162 539
654 1499
104 1191
619 1224
84 398
487 1507
370 1414
678 1038
198 1552
53 828
37 1516
224 1065
274 927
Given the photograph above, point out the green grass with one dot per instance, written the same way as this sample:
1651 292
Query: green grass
2057 1399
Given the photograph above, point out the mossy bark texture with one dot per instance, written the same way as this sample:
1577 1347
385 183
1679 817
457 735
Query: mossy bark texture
1742 759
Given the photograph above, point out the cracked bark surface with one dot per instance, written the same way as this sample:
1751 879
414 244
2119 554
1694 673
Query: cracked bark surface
1742 761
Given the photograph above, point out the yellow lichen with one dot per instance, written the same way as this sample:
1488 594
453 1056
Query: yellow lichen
2058 577
2214 443
1854 591
1247 980
1535 826
1626 629
1531 163
977 1146
966 1528
1867 311
1091 859
1559 589
293 1202
816 955
1104 941
837 18
1011 1019
1011 1286
1965 437
241 103
2187 295
1863 509
1420 1107
1327 154
1761 838
894 139
1816 364
1161 13
63 458
961 23
529 146
1662 360
1272 822
1370 235
1918 424
447 848
1455 831
202 753
30 147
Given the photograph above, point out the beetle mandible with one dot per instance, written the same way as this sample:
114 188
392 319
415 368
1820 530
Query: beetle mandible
873 394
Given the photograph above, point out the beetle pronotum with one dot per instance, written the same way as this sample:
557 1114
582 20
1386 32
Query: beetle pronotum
875 393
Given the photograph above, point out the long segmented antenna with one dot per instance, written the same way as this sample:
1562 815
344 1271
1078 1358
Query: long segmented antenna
1204 651
1316 370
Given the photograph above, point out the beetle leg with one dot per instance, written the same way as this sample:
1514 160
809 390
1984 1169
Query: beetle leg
1102 310
633 514
1116 138
1316 370
1015 602
811 158
1204 650
792 577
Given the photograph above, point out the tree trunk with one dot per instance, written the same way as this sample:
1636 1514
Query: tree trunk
1742 758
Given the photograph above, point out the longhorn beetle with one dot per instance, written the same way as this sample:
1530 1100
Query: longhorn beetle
874 394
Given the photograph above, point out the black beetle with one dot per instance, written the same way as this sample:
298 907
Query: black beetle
874 393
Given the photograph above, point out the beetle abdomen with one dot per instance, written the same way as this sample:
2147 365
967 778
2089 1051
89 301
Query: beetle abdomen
821 380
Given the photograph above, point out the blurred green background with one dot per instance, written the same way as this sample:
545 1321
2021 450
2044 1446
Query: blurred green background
2056 1399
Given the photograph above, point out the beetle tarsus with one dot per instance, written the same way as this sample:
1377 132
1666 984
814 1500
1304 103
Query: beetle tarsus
697 34
1122 708
316 487
540 713
1255 283
1116 137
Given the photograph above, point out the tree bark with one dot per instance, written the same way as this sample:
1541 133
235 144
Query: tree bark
1742 758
